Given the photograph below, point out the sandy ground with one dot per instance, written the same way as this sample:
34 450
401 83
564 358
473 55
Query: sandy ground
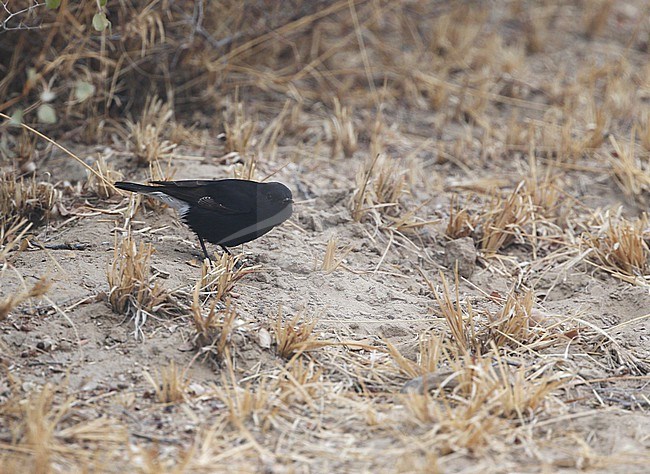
348 414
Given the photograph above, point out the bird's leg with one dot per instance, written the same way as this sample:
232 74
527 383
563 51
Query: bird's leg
225 249
238 263
205 252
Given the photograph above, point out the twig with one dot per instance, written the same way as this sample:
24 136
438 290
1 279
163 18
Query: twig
65 150
21 25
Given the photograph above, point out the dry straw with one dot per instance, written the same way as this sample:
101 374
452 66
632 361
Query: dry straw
170 384
147 134
437 77
133 290
294 336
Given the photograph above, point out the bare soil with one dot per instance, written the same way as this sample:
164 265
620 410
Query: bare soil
251 411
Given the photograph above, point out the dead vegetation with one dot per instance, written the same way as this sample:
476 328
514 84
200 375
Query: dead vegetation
620 245
219 277
23 202
10 302
106 173
47 437
293 336
213 327
344 136
238 130
504 220
169 384
213 311
630 169
334 257
381 182
399 125
512 325
133 290
460 222
149 146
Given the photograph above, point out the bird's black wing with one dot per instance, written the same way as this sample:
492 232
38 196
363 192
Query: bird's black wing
227 196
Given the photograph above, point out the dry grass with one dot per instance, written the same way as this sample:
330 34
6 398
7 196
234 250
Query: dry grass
643 129
630 169
503 221
596 19
101 182
239 130
25 198
510 326
472 399
214 328
420 98
11 236
450 306
170 384
432 352
343 134
481 395
219 277
461 223
23 201
246 404
10 302
620 244
380 184
330 261
147 134
133 290
45 437
293 336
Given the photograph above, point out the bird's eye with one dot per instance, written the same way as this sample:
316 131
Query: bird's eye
269 196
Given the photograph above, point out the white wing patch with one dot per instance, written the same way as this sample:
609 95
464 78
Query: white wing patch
206 201
181 206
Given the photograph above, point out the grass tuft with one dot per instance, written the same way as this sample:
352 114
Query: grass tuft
219 277
101 183
620 245
214 327
23 202
504 220
239 130
170 384
37 290
133 291
344 136
380 183
461 223
293 335
147 134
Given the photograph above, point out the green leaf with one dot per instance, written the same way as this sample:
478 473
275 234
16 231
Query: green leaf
52 4
83 90
47 95
100 22
16 118
46 114
102 3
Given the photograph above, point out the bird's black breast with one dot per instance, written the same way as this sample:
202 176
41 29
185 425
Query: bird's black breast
233 229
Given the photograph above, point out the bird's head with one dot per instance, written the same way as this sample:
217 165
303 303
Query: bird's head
275 198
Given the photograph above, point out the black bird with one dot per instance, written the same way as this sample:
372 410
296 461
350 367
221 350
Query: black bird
225 212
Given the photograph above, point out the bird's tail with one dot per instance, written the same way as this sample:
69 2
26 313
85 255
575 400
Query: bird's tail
136 188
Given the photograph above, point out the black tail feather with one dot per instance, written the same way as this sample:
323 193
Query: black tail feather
135 187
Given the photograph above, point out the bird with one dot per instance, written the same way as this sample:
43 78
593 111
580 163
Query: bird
224 212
